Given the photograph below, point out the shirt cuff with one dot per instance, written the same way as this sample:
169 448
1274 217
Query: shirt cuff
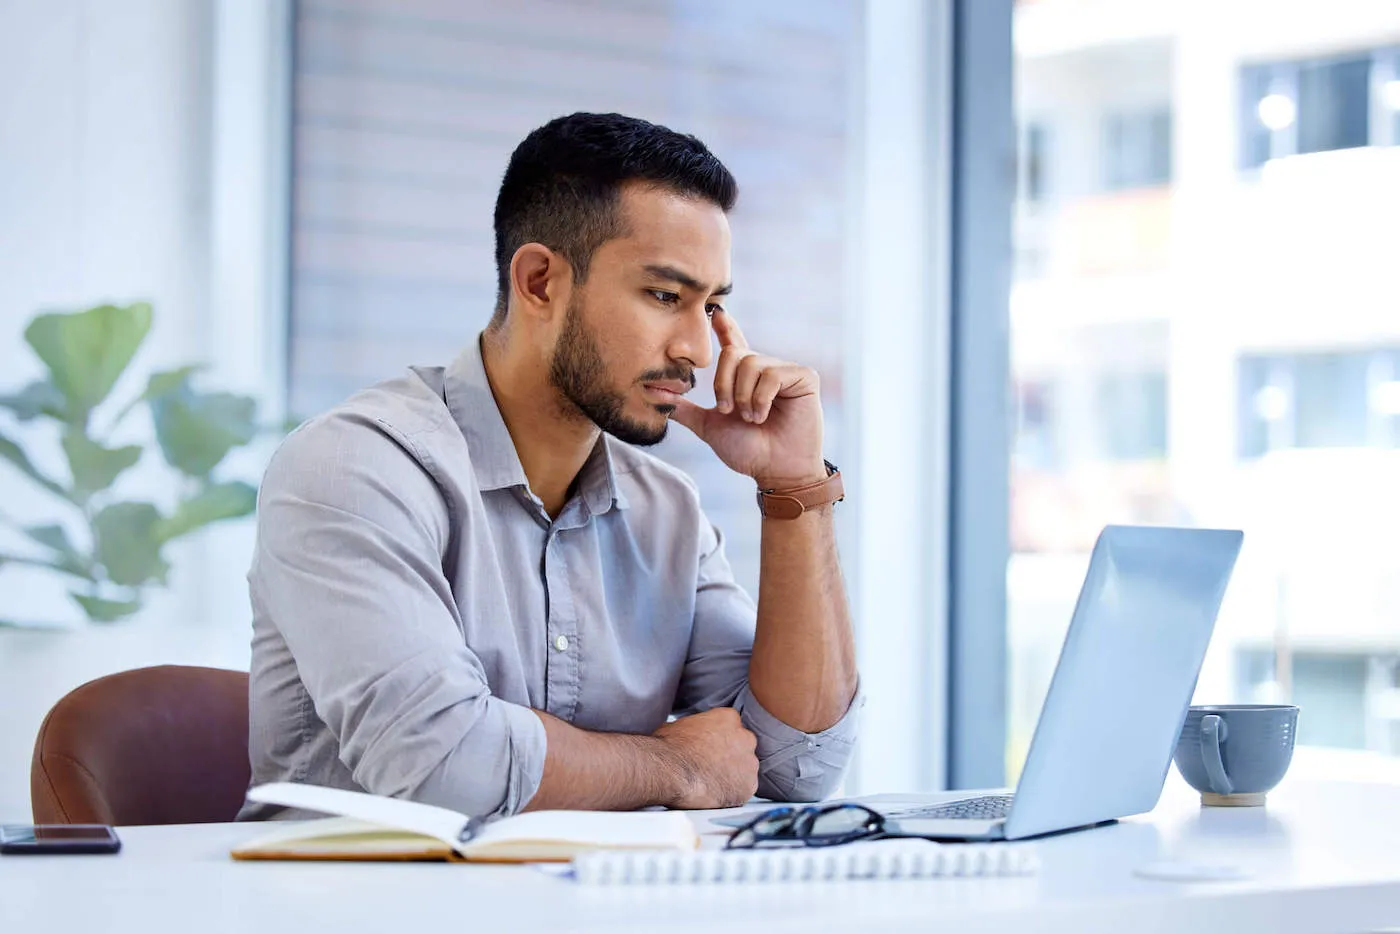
798 766
528 747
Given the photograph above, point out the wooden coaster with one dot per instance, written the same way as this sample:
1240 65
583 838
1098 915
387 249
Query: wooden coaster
1232 801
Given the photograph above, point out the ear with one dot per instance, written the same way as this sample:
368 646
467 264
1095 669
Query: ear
539 281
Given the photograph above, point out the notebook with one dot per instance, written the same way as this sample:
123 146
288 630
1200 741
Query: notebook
881 859
372 827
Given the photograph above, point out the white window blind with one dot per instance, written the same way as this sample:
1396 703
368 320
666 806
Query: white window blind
406 112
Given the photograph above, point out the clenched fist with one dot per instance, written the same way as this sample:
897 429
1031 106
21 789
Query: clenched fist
713 756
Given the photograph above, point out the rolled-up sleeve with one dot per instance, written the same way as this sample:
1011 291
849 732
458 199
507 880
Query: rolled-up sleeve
793 765
348 567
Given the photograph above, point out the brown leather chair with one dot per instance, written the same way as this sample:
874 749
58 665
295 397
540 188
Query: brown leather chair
163 745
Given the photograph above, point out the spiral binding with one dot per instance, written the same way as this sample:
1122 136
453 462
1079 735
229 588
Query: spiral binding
919 860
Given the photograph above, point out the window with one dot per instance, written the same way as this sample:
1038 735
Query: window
1386 81
1249 378
1340 399
405 116
1257 84
1035 162
1314 105
1333 105
1131 416
1265 405
1383 398
1137 149
1036 445
1333 687
1330 407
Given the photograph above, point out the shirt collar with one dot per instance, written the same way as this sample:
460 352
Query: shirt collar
494 460
598 479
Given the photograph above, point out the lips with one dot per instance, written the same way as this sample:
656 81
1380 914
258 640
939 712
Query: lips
672 387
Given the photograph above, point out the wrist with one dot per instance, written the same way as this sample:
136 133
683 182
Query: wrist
791 480
787 499
674 774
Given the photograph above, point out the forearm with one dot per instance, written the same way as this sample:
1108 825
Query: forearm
803 668
604 771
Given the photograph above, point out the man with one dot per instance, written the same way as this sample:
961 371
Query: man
471 589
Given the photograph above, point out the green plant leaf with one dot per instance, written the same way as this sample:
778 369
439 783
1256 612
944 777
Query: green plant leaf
159 384
102 610
126 544
47 565
40 397
196 430
95 467
13 453
165 382
87 351
55 538
52 537
214 503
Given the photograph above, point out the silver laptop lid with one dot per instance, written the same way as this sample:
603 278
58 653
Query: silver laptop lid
1125 677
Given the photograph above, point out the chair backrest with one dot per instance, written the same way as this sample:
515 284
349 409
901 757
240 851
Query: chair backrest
163 745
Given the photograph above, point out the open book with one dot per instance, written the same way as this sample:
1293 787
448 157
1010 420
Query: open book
371 827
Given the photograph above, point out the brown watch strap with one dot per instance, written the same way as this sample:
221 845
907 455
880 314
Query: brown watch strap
790 504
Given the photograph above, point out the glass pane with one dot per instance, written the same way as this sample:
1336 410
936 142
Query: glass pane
1131 413
1332 399
1384 399
403 121
1193 344
1137 149
1255 136
1334 105
1035 153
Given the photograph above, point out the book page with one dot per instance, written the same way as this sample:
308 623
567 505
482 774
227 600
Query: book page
344 837
609 829
440 823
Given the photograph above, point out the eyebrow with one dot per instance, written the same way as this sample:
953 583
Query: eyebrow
673 274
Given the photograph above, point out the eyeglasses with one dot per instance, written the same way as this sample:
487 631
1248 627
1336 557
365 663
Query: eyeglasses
817 825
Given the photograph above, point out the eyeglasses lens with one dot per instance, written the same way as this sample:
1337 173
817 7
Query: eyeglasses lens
841 824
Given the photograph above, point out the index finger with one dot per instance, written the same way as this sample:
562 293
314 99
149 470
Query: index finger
727 330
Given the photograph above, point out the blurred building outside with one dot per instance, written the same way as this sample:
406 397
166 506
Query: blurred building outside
1205 330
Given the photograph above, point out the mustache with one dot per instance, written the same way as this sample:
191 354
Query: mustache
681 373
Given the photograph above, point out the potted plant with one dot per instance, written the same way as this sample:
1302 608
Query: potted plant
111 550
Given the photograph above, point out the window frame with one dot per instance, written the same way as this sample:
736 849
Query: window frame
983 144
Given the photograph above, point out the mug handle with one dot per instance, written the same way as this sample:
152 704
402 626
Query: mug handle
1212 732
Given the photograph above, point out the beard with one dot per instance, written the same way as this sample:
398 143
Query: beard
577 370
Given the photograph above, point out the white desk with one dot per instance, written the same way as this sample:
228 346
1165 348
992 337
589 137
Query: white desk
1322 857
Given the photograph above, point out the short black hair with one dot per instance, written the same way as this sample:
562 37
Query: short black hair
563 183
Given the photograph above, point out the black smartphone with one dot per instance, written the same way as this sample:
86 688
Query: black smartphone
20 839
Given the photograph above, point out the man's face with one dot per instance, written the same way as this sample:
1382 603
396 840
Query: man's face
639 326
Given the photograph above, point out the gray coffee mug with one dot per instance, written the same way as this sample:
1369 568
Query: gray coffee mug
1233 754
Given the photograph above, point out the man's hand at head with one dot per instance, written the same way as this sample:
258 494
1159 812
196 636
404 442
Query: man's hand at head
767 419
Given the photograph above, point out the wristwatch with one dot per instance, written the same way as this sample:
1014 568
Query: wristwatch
789 504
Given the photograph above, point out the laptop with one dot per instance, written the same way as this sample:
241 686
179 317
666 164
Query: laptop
1116 703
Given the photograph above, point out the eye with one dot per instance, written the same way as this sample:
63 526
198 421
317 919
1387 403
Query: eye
664 297
712 308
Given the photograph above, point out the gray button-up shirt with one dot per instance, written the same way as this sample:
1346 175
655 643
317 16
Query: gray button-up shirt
412 600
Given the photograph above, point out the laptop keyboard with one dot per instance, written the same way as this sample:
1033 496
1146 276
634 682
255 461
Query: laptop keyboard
985 807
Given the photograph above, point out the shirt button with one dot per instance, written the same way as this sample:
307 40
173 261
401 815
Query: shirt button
562 643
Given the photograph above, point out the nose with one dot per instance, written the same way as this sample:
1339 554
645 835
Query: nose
691 342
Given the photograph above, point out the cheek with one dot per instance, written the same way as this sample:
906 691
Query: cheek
633 341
